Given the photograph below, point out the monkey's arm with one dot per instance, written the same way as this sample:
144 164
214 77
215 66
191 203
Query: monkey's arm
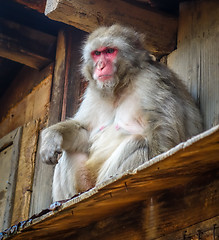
69 136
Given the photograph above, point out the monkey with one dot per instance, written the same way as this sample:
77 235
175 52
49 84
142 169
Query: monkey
133 109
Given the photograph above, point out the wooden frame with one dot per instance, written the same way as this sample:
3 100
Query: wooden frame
11 140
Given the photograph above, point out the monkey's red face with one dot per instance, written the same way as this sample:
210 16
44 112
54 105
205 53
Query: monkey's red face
104 63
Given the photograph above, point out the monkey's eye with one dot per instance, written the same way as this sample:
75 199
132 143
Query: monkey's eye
97 53
110 50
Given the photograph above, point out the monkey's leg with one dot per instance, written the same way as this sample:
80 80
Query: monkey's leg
70 176
131 153
68 136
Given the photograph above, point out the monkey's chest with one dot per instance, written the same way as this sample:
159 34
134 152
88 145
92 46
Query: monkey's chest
126 120
129 116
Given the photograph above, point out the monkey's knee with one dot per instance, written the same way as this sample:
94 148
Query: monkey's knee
130 154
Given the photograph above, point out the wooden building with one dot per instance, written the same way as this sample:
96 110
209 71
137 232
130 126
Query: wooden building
173 196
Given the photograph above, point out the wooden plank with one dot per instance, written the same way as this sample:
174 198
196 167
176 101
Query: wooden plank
5 161
87 15
23 84
196 59
206 230
181 184
38 5
25 45
58 84
73 77
9 155
35 105
25 171
42 183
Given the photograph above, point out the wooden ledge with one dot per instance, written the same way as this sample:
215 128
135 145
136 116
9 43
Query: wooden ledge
175 169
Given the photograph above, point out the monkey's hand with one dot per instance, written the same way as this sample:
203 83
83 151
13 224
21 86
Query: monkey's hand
51 145
69 136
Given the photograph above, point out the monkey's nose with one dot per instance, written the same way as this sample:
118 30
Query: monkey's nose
101 65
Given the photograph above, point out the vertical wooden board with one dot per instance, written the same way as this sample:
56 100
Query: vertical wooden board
41 197
196 59
5 161
42 184
58 80
25 172
9 155
73 77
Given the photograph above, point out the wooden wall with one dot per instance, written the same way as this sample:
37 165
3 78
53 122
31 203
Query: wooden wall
26 106
196 59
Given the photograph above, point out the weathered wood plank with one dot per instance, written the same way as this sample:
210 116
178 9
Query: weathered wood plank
58 84
23 84
206 230
35 105
38 5
9 155
73 77
87 15
42 184
180 185
25 172
25 45
196 59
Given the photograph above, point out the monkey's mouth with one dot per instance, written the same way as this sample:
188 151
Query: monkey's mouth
103 78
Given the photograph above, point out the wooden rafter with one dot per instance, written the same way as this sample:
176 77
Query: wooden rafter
25 45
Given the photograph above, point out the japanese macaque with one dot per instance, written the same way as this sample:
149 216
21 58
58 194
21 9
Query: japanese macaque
133 109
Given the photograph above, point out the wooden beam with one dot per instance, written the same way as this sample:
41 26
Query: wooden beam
38 5
25 45
87 15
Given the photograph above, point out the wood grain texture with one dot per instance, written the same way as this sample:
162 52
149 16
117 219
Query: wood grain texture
42 183
25 45
38 5
87 15
25 171
170 192
9 153
206 230
35 105
23 84
196 59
